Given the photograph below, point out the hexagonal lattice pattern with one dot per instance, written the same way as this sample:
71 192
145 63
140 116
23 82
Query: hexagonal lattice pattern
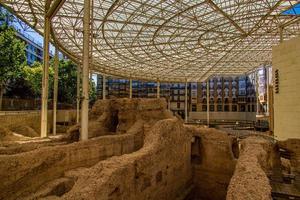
168 40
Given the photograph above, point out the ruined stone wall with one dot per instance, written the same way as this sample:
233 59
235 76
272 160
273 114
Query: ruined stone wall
24 172
292 146
250 181
214 155
116 116
160 170
24 118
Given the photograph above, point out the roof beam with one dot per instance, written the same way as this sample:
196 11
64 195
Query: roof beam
259 23
217 8
56 5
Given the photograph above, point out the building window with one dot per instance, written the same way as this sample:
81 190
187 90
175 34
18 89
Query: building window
242 108
194 108
211 108
249 108
226 108
178 105
204 108
220 108
234 108
253 108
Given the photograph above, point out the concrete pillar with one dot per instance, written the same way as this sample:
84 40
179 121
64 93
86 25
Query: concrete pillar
85 70
103 87
158 89
267 85
207 102
45 79
186 102
280 34
256 92
78 94
55 89
130 88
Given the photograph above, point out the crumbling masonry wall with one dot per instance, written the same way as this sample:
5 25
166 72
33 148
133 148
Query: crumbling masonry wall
147 156
117 116
159 170
257 158
24 172
214 155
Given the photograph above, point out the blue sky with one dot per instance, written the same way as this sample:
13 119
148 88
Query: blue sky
295 10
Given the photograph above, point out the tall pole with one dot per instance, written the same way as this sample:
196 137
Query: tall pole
280 34
158 89
207 102
130 88
186 102
55 89
45 79
268 97
85 70
78 94
103 87
256 92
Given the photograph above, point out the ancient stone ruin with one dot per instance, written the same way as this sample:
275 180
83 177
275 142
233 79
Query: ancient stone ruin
138 150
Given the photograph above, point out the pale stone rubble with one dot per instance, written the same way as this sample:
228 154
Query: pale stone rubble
137 150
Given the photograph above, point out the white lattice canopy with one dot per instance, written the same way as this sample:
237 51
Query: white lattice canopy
168 40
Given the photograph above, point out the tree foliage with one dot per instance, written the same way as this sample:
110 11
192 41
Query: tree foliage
67 81
33 78
12 57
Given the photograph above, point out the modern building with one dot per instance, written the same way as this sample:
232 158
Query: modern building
231 94
34 49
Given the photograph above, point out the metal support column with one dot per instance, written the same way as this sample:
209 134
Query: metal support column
55 89
103 87
207 102
78 94
186 102
281 34
268 97
130 88
85 70
45 79
256 92
158 89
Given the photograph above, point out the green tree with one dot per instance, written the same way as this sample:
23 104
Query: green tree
33 76
12 57
67 81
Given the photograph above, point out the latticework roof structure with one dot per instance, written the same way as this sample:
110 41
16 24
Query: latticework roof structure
168 40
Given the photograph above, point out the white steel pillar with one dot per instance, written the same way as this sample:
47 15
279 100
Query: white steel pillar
256 92
103 87
130 88
55 89
78 94
207 102
280 34
45 79
85 70
158 89
186 102
268 97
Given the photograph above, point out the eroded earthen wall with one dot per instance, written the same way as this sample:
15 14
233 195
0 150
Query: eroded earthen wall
159 170
215 164
25 172
250 181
